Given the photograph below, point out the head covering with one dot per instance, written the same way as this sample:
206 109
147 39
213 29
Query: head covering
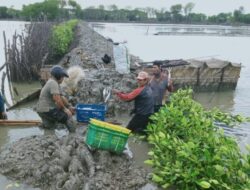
58 72
142 75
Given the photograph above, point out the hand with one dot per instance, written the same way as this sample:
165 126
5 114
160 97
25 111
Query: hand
72 110
68 112
115 91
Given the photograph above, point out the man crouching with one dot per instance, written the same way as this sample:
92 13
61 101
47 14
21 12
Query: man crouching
51 106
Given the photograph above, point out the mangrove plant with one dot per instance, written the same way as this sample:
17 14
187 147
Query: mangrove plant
62 36
189 152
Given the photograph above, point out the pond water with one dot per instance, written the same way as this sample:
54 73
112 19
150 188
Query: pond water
142 42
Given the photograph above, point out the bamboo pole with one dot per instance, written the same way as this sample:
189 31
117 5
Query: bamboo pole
19 122
5 47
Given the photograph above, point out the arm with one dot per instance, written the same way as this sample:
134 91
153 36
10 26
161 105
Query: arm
129 96
68 105
170 86
61 105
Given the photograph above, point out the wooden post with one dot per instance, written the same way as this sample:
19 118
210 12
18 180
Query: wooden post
198 78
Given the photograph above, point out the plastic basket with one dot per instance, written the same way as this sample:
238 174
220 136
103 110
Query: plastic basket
113 127
106 139
86 111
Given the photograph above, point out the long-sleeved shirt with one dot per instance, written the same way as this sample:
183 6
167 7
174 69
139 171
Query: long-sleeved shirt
143 97
130 96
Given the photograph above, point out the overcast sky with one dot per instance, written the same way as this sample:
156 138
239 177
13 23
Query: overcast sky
209 7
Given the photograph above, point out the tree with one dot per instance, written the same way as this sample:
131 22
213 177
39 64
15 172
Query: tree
188 8
48 8
113 7
176 11
238 14
101 7
76 8
197 17
3 12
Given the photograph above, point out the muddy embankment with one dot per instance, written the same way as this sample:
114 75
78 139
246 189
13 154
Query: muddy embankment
49 162
67 163
98 75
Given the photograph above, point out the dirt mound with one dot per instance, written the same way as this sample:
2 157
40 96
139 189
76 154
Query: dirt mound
66 163
90 90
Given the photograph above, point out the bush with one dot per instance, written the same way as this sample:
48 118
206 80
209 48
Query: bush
62 36
190 152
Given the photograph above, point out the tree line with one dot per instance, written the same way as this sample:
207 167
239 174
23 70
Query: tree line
57 10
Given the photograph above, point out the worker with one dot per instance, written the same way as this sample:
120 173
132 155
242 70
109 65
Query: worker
3 114
160 84
52 107
143 103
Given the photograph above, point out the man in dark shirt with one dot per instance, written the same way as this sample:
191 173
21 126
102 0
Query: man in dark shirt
144 103
159 84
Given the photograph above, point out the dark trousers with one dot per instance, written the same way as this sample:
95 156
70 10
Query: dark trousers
53 116
139 123
157 108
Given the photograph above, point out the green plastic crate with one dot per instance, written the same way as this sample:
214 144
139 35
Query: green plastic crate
106 139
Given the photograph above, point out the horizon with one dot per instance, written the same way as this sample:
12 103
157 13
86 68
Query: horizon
208 7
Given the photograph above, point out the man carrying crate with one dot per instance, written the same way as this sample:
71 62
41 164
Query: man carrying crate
51 106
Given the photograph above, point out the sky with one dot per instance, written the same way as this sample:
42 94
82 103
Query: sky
209 7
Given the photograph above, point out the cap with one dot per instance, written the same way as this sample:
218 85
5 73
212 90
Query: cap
142 75
58 72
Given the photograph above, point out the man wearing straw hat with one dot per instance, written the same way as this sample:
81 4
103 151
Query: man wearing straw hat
143 103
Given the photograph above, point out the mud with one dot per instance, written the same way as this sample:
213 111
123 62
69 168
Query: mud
66 163
88 55
90 90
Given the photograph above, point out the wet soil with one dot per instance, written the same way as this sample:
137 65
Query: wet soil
52 162
65 162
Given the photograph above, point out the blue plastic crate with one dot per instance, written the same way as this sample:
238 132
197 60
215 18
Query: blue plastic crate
86 111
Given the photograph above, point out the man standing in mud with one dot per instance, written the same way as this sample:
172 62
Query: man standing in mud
52 107
144 103
160 84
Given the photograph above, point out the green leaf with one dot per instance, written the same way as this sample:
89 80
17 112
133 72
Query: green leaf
165 186
162 135
150 153
219 168
214 181
157 178
149 162
204 184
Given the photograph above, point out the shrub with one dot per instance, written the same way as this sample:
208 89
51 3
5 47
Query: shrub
62 36
190 152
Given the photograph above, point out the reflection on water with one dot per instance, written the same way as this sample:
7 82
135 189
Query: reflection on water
21 90
221 100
